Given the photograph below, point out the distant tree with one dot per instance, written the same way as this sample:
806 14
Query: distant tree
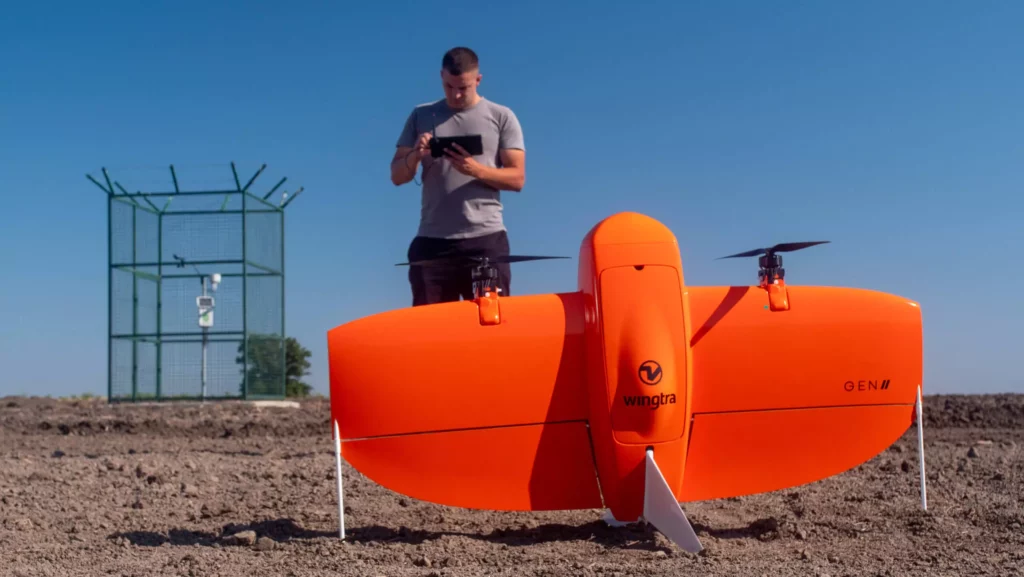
265 366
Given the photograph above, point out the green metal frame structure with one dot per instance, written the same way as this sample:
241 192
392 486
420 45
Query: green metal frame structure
226 244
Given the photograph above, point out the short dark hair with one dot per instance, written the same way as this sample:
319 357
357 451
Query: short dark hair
459 60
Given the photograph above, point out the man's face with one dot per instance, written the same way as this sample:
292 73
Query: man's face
460 91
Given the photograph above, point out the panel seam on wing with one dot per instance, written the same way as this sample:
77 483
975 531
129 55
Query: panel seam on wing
816 407
463 429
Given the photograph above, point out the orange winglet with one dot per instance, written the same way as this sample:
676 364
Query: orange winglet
631 390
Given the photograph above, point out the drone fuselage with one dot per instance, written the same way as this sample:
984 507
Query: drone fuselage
637 345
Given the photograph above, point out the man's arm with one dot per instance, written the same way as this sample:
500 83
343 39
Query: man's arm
511 175
410 149
403 165
512 151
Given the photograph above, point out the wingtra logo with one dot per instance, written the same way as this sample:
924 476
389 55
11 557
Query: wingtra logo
652 401
650 373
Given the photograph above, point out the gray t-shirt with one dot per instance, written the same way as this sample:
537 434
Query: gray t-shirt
454 205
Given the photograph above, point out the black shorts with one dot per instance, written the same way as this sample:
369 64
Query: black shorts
446 283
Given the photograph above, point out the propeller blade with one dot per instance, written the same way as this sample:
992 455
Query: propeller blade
522 258
473 259
791 246
781 247
755 252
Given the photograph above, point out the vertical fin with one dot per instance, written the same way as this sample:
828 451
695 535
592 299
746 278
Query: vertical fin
337 463
919 408
663 511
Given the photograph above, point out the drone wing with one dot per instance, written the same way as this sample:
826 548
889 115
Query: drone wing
432 404
782 399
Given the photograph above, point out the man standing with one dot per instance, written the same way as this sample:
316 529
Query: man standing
461 210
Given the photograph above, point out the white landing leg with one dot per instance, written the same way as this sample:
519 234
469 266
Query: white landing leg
337 462
920 447
663 511
610 519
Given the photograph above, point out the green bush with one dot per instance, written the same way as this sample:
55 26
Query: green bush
265 366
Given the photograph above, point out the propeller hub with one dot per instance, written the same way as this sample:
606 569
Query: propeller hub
484 271
770 260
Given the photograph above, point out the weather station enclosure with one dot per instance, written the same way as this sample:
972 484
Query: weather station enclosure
196 288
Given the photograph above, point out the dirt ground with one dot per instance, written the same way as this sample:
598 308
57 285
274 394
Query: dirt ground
229 489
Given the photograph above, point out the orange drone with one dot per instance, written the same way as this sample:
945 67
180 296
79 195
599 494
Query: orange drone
634 393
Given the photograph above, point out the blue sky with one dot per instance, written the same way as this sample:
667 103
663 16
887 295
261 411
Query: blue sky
893 130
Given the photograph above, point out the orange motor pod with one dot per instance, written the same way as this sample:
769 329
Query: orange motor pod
639 365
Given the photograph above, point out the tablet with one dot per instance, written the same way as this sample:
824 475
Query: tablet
472 143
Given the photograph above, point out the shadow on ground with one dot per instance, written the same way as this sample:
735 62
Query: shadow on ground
597 531
638 536
635 536
280 530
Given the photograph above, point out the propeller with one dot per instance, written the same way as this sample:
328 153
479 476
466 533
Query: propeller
782 247
478 259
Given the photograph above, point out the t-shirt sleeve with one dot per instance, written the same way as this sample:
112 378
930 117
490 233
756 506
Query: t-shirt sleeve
409 134
511 135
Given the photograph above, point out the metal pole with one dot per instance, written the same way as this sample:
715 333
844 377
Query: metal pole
919 406
245 291
135 308
284 337
341 492
159 302
110 298
205 339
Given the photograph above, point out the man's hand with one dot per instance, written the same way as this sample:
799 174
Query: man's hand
406 160
422 147
511 176
463 162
